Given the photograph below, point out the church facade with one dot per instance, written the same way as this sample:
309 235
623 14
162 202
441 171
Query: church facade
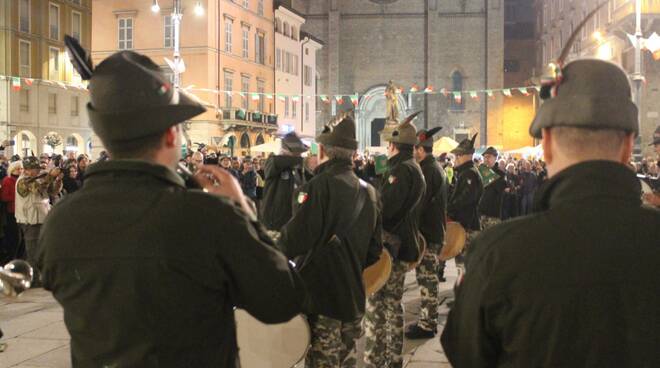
448 45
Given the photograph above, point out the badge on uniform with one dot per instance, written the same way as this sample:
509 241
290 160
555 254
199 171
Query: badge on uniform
392 179
302 197
469 181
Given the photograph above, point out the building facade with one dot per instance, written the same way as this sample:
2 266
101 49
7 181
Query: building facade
40 93
295 73
456 45
605 36
228 50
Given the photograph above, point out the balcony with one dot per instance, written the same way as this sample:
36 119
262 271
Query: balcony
248 118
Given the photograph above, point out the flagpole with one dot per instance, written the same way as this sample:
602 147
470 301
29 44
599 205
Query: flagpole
637 76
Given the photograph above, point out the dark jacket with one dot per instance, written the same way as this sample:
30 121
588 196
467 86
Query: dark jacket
528 183
148 273
402 189
491 201
465 197
248 182
433 210
71 185
284 175
332 268
574 285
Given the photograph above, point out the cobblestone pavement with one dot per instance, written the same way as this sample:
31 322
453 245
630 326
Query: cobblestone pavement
36 336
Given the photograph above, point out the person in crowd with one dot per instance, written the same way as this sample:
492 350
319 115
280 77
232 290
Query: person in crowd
248 180
164 266
528 185
490 206
549 290
336 232
83 162
13 246
401 191
70 182
34 189
511 198
196 161
284 174
261 182
432 219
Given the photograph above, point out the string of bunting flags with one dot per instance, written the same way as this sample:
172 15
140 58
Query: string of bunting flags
457 96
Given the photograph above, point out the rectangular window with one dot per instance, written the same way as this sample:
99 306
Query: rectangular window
76 25
54 21
246 42
77 2
169 31
259 48
261 90
52 103
288 64
228 29
125 33
306 111
53 63
24 16
286 106
295 65
75 102
307 77
24 59
228 88
246 4
25 100
260 7
245 88
278 59
294 108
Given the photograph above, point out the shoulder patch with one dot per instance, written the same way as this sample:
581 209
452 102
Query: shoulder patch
302 197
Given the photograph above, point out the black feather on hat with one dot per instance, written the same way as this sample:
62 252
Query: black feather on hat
425 138
341 134
466 147
292 143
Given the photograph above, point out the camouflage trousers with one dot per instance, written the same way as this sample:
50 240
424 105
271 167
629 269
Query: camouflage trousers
427 278
384 322
461 259
333 343
488 222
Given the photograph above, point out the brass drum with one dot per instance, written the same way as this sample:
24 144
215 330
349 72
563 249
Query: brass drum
281 345
376 275
455 238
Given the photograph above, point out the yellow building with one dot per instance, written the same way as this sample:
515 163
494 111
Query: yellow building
226 47
40 93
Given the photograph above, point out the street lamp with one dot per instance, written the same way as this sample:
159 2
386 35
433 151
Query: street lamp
177 66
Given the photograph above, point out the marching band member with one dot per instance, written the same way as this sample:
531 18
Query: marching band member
334 234
490 206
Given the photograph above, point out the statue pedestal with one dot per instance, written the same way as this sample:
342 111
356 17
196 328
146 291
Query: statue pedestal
390 125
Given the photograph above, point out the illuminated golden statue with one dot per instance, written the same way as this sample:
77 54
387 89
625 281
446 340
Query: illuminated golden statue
392 99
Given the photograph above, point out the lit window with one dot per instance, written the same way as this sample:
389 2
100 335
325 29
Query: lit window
306 111
261 91
457 85
228 88
245 88
260 48
54 21
76 25
286 106
228 34
53 63
246 42
125 33
24 16
260 7
169 31
24 58
294 108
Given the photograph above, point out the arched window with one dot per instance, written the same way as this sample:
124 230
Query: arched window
260 140
457 85
245 141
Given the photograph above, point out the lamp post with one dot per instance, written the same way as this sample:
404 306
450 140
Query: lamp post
637 75
178 65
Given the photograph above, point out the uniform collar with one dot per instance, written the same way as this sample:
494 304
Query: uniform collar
399 158
135 166
333 164
428 159
588 180
466 165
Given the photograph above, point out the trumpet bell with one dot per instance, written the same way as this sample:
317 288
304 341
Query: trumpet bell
16 277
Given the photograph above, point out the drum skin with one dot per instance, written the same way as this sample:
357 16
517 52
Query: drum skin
281 345
376 275
455 238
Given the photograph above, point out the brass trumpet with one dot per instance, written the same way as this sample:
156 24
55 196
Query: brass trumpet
15 278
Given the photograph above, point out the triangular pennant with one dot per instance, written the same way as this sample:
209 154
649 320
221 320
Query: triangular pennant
428 89
414 88
281 98
255 97
474 95
295 98
242 94
16 84
340 99
29 81
354 100
506 92
489 92
324 98
444 92
457 97
524 91
269 96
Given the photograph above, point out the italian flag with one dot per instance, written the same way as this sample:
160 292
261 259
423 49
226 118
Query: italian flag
457 97
324 98
255 97
428 89
490 93
524 91
354 100
340 99
16 83
295 98
474 95
506 92
269 96
414 88
281 98
29 81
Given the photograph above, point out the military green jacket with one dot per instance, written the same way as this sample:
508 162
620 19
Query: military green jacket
464 200
402 189
332 267
284 176
433 207
148 273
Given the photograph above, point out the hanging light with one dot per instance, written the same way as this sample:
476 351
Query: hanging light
155 7
199 9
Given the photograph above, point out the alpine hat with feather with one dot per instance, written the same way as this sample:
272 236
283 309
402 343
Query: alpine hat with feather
341 134
586 93
404 133
131 97
466 147
425 138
